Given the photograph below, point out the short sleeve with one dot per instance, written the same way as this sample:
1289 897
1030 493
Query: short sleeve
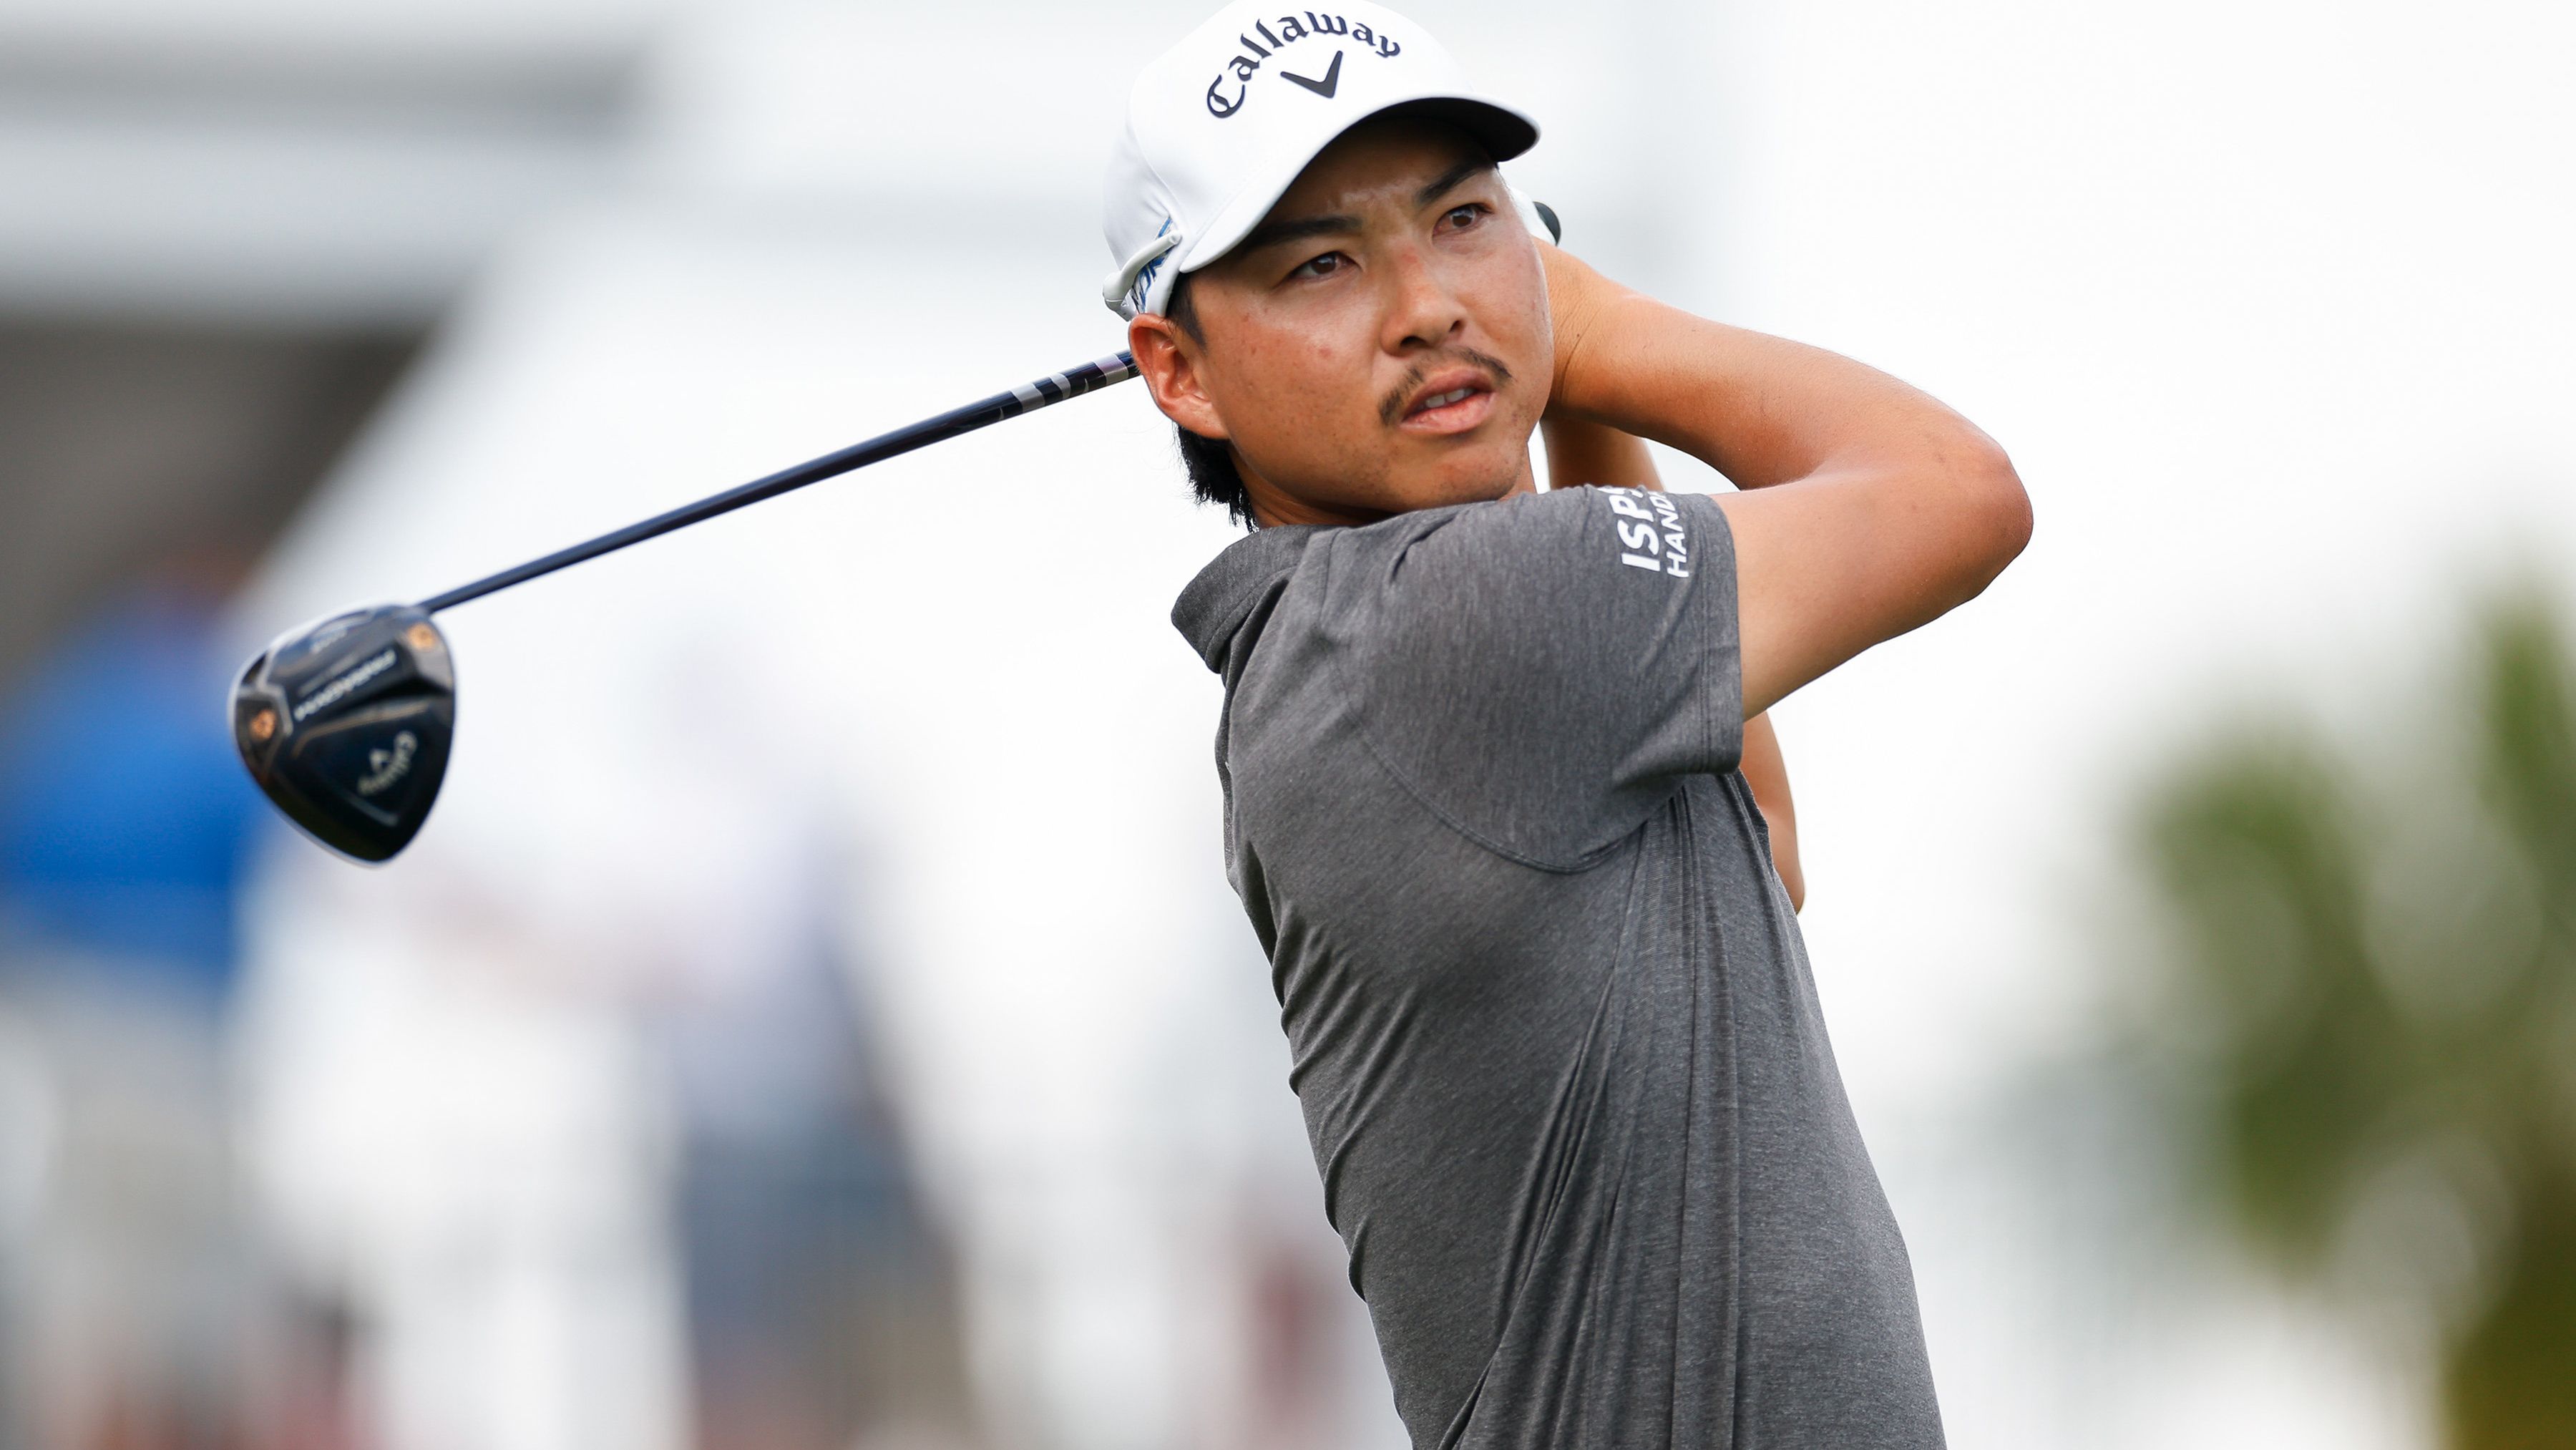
1542 671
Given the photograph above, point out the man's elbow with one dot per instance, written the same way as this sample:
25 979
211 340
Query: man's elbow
1993 509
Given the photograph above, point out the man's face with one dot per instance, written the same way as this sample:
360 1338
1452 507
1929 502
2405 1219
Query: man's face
1380 343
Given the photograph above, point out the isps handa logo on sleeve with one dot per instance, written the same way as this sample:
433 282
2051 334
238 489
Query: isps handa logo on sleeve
1295 42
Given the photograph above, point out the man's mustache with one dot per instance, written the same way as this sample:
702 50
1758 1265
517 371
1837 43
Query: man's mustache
1392 409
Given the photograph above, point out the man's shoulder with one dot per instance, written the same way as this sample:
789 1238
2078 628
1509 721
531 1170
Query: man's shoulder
1234 587
1216 602
1411 571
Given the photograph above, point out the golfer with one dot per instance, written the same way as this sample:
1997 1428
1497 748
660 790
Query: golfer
1494 769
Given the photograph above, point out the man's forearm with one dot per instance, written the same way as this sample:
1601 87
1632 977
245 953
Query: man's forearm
1581 451
1761 410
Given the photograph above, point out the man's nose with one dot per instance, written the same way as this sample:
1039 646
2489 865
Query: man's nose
1424 311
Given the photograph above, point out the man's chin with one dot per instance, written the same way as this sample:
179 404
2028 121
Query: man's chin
1457 487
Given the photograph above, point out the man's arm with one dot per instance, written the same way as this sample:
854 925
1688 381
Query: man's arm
1580 452
1768 774
1870 508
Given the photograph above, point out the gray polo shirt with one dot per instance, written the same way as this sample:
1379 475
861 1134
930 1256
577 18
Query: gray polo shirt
1549 1014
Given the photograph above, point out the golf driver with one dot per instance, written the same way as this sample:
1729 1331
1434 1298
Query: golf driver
345 722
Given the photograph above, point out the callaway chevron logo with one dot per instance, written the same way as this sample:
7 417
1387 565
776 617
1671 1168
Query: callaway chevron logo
1331 82
1237 73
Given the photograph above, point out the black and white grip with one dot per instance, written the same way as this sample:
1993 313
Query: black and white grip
1056 387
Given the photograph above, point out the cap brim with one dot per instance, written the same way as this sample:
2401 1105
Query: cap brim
1502 131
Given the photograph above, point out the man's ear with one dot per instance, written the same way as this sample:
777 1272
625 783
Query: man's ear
1168 359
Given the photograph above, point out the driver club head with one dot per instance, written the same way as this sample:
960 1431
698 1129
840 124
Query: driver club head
345 724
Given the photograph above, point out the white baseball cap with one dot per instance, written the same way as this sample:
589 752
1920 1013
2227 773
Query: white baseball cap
1219 126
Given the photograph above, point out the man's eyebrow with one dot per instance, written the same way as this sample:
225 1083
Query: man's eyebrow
1271 234
1448 180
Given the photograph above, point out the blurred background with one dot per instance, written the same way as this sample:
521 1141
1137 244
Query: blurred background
816 1017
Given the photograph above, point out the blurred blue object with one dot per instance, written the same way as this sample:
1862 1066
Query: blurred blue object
124 818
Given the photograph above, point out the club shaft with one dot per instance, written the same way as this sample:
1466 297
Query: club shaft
1028 398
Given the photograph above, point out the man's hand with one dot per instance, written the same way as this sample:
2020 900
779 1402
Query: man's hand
1870 508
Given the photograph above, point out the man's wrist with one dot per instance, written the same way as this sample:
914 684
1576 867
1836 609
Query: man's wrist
1574 296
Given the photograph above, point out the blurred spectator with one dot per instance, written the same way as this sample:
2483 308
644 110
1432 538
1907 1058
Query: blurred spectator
123 815
123 827
821 1307
570 1109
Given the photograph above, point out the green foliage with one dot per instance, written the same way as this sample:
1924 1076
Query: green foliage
2370 999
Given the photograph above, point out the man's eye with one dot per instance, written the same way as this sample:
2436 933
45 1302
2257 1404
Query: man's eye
1464 216
1323 266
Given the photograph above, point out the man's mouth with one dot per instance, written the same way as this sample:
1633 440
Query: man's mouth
1453 404
1450 398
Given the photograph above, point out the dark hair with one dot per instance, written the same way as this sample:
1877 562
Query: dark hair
1209 461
